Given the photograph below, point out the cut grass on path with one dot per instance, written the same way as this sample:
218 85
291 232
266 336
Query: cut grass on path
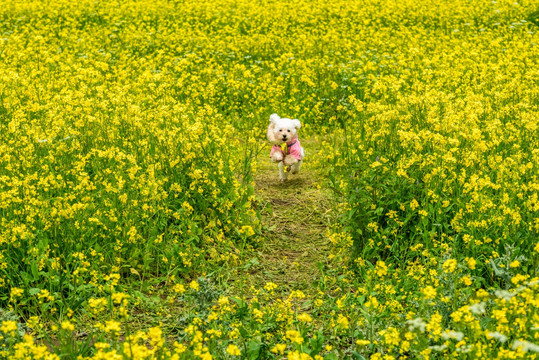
295 217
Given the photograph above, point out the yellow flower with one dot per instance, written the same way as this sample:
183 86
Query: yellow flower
343 322
297 294
482 294
156 336
278 349
187 207
450 265
179 348
33 322
296 355
119 297
270 286
381 268
206 356
112 326
194 285
391 336
233 350
16 292
429 292
97 305
304 317
179 288
372 302
247 230
101 345
514 264
517 279
434 326
294 336
426 353
9 327
67 325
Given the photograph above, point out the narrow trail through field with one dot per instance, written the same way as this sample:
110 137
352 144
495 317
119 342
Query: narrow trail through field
295 218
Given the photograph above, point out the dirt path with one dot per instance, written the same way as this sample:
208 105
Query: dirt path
295 218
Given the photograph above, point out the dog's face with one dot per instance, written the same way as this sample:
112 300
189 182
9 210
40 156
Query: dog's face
282 129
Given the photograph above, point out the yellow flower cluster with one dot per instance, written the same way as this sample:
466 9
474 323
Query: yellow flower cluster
113 158
129 133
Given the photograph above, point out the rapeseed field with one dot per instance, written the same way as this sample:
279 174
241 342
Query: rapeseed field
132 150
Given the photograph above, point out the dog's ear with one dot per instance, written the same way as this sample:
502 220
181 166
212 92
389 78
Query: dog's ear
297 124
274 118
270 134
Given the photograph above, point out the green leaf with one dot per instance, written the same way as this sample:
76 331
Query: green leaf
35 271
239 301
34 291
358 356
316 343
253 350
243 332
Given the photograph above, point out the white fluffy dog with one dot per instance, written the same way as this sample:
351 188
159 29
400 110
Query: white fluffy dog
286 150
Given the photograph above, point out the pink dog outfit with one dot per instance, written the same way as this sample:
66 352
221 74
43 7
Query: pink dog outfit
292 148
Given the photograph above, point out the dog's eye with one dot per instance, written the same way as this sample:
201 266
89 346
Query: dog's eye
281 130
288 130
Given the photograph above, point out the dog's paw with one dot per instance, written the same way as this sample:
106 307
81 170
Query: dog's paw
277 157
290 160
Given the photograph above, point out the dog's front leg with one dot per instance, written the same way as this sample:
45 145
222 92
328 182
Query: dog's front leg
283 175
289 160
294 169
276 157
